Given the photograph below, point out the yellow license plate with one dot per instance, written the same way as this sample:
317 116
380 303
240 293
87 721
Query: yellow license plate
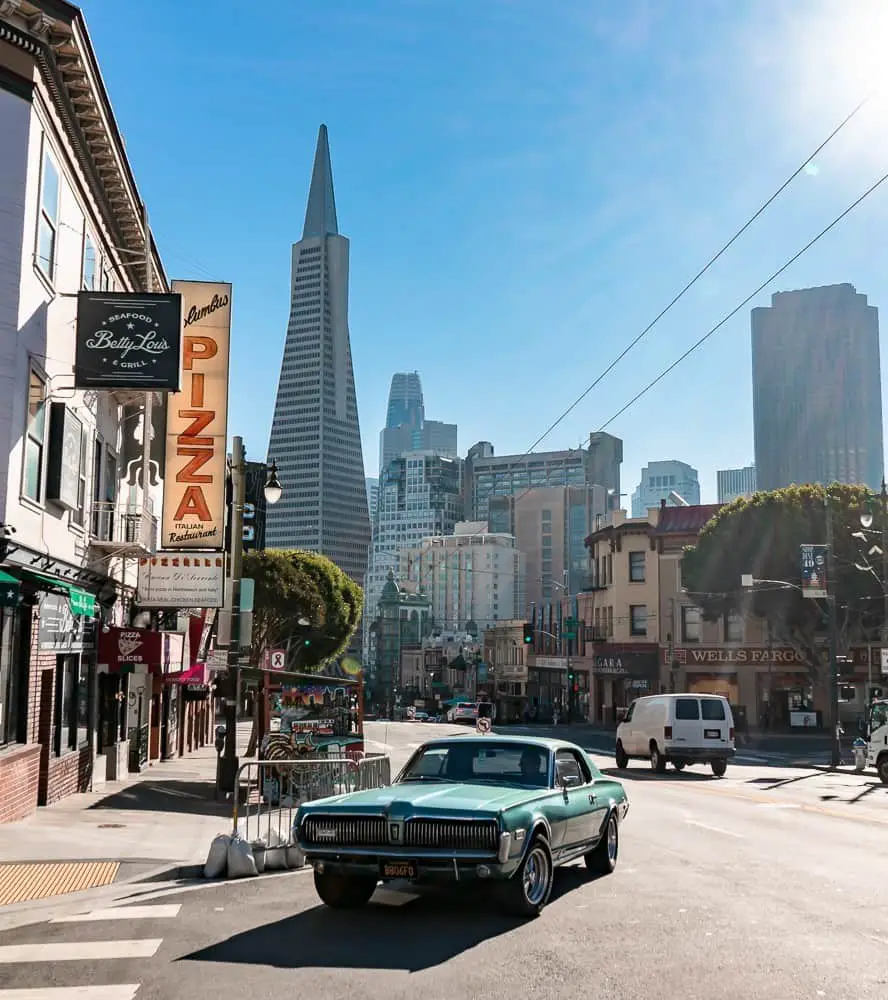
399 869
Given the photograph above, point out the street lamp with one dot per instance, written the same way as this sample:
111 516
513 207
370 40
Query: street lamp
228 761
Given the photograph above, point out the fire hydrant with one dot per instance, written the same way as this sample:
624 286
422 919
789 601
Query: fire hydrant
859 754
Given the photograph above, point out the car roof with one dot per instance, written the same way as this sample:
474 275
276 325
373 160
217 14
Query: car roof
543 742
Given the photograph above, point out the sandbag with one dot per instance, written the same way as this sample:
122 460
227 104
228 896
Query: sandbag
241 861
276 855
217 858
260 850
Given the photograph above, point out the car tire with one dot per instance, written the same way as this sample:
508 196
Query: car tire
679 765
528 890
344 892
602 859
719 767
658 761
622 757
882 768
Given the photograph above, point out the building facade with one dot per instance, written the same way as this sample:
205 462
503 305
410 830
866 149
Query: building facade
315 433
78 501
735 483
372 497
473 578
660 481
816 389
516 475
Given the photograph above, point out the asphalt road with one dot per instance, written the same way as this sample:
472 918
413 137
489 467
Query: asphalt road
726 888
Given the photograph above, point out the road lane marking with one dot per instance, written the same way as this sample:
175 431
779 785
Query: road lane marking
79 951
123 992
714 829
162 912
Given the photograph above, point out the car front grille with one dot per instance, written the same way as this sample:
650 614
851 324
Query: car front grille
458 835
353 831
378 832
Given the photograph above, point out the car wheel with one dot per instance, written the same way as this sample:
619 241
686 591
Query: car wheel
679 765
658 761
622 757
528 890
602 859
719 767
344 892
882 768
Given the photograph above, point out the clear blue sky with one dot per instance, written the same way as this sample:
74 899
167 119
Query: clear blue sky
525 185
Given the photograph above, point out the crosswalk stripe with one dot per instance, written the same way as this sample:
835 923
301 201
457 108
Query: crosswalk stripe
161 912
124 992
78 951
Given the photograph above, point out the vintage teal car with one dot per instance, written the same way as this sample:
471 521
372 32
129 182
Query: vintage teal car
503 809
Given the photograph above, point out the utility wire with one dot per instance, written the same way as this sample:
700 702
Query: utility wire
666 371
712 260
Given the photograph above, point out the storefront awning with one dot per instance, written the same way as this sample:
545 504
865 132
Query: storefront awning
9 590
80 601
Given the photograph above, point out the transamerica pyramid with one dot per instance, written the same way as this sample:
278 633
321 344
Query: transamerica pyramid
315 433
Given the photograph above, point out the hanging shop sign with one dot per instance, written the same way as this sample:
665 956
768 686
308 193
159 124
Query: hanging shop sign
128 341
120 646
197 422
64 457
174 580
59 630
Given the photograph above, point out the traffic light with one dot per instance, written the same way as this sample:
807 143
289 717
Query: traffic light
528 633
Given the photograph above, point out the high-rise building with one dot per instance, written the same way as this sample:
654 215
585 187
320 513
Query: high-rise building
816 389
473 578
512 475
315 433
406 428
372 497
420 494
734 483
660 481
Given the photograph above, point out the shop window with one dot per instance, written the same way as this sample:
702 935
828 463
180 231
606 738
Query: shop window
691 623
73 695
636 567
638 614
10 679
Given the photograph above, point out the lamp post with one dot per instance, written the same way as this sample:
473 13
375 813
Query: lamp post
866 520
228 761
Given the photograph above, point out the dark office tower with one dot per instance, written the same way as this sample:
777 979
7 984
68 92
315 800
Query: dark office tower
315 433
816 389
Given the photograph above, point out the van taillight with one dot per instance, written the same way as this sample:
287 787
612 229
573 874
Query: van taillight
731 733
667 732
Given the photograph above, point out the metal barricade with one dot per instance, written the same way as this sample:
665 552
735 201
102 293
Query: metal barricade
268 793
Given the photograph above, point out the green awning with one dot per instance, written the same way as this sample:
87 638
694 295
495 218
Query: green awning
81 602
9 590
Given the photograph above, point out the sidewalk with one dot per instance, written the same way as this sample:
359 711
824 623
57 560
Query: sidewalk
161 819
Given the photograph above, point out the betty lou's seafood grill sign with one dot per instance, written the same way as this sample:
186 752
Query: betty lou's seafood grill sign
197 422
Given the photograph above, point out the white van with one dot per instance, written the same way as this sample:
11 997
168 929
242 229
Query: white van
679 729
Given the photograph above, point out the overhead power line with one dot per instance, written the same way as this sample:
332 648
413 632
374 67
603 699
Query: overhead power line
747 300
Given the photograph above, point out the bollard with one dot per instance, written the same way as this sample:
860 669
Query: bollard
859 755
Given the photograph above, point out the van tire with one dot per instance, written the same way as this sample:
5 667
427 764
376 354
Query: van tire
679 765
882 768
719 767
622 757
658 761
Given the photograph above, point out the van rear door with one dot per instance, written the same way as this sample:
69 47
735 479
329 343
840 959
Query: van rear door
715 715
687 726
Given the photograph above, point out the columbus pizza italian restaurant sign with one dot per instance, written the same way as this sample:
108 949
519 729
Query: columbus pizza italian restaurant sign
197 422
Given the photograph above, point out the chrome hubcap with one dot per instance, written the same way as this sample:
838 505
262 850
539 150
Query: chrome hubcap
612 840
536 876
655 758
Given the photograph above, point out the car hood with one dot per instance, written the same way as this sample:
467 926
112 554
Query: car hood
431 799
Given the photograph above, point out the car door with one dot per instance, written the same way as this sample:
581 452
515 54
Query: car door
628 727
573 780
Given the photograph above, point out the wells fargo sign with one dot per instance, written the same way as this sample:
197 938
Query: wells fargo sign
786 656
197 422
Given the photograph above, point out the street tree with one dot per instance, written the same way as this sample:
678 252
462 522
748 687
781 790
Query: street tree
304 603
762 536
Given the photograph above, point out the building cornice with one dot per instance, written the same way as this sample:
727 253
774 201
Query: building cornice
55 34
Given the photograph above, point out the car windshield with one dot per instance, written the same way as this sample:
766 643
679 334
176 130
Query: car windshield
481 762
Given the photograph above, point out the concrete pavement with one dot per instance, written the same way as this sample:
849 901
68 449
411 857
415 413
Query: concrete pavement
721 891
